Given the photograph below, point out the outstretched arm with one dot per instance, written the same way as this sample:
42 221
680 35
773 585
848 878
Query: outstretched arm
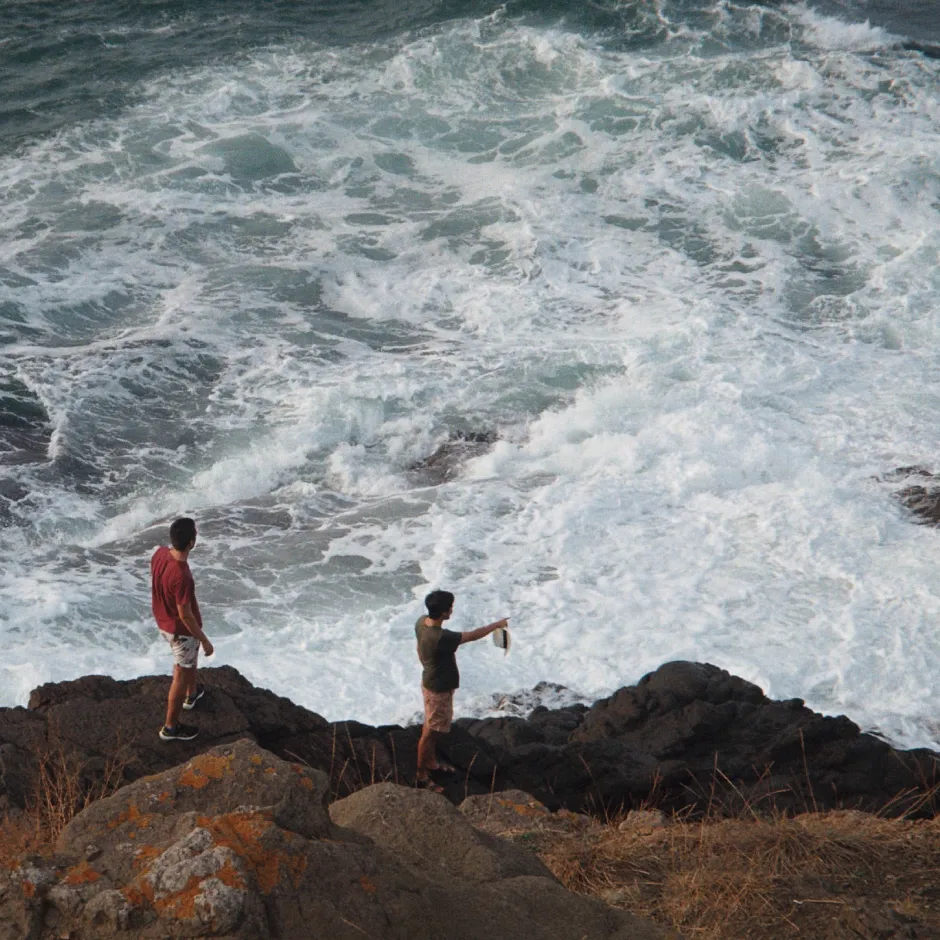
481 632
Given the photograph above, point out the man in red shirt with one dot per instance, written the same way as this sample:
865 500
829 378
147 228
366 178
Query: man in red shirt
176 611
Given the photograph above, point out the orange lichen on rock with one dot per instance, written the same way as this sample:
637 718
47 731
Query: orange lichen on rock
29 889
367 885
231 876
139 892
131 814
81 874
200 770
302 773
524 809
145 855
182 904
245 833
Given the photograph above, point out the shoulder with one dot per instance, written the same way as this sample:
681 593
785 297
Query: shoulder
171 570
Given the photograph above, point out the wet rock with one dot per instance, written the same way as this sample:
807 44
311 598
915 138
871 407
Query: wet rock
920 492
446 461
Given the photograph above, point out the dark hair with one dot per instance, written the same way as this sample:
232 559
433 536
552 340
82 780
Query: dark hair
438 603
182 532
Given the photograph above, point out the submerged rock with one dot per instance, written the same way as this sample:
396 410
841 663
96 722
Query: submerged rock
922 497
446 461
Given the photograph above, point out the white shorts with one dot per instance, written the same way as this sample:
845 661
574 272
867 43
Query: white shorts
185 649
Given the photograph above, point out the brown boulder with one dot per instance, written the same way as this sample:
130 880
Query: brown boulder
427 832
237 843
512 812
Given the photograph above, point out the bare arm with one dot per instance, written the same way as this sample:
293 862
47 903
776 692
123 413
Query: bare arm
186 615
481 632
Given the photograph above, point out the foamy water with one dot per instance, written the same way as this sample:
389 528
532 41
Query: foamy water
688 278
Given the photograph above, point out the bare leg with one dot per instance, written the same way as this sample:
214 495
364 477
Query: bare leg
181 681
191 682
426 756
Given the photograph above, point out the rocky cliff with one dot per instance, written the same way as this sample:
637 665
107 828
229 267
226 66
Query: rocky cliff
685 736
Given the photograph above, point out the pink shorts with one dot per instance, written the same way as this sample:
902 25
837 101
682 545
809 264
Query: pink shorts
185 649
438 709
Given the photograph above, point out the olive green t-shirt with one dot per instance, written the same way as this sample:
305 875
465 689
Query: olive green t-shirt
436 649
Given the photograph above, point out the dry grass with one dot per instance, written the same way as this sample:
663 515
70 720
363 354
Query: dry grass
21 836
65 785
348 777
819 875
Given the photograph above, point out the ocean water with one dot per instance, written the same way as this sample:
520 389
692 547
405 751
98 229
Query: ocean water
676 261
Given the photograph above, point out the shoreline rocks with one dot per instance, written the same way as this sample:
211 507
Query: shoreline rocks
688 737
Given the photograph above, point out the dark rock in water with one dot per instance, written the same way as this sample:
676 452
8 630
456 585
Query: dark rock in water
541 695
444 463
238 843
923 501
926 49
921 498
688 736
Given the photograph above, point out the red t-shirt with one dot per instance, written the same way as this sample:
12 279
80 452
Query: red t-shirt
171 585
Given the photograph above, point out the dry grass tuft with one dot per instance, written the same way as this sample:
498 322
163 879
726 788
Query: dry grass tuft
21 836
65 785
819 875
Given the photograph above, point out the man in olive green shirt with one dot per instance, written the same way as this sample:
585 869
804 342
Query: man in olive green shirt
436 650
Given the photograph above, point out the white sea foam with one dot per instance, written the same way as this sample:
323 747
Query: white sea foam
828 32
694 292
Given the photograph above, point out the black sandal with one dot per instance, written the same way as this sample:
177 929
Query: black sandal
426 783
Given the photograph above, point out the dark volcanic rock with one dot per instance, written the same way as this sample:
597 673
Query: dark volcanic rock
688 736
444 463
920 494
99 717
98 725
